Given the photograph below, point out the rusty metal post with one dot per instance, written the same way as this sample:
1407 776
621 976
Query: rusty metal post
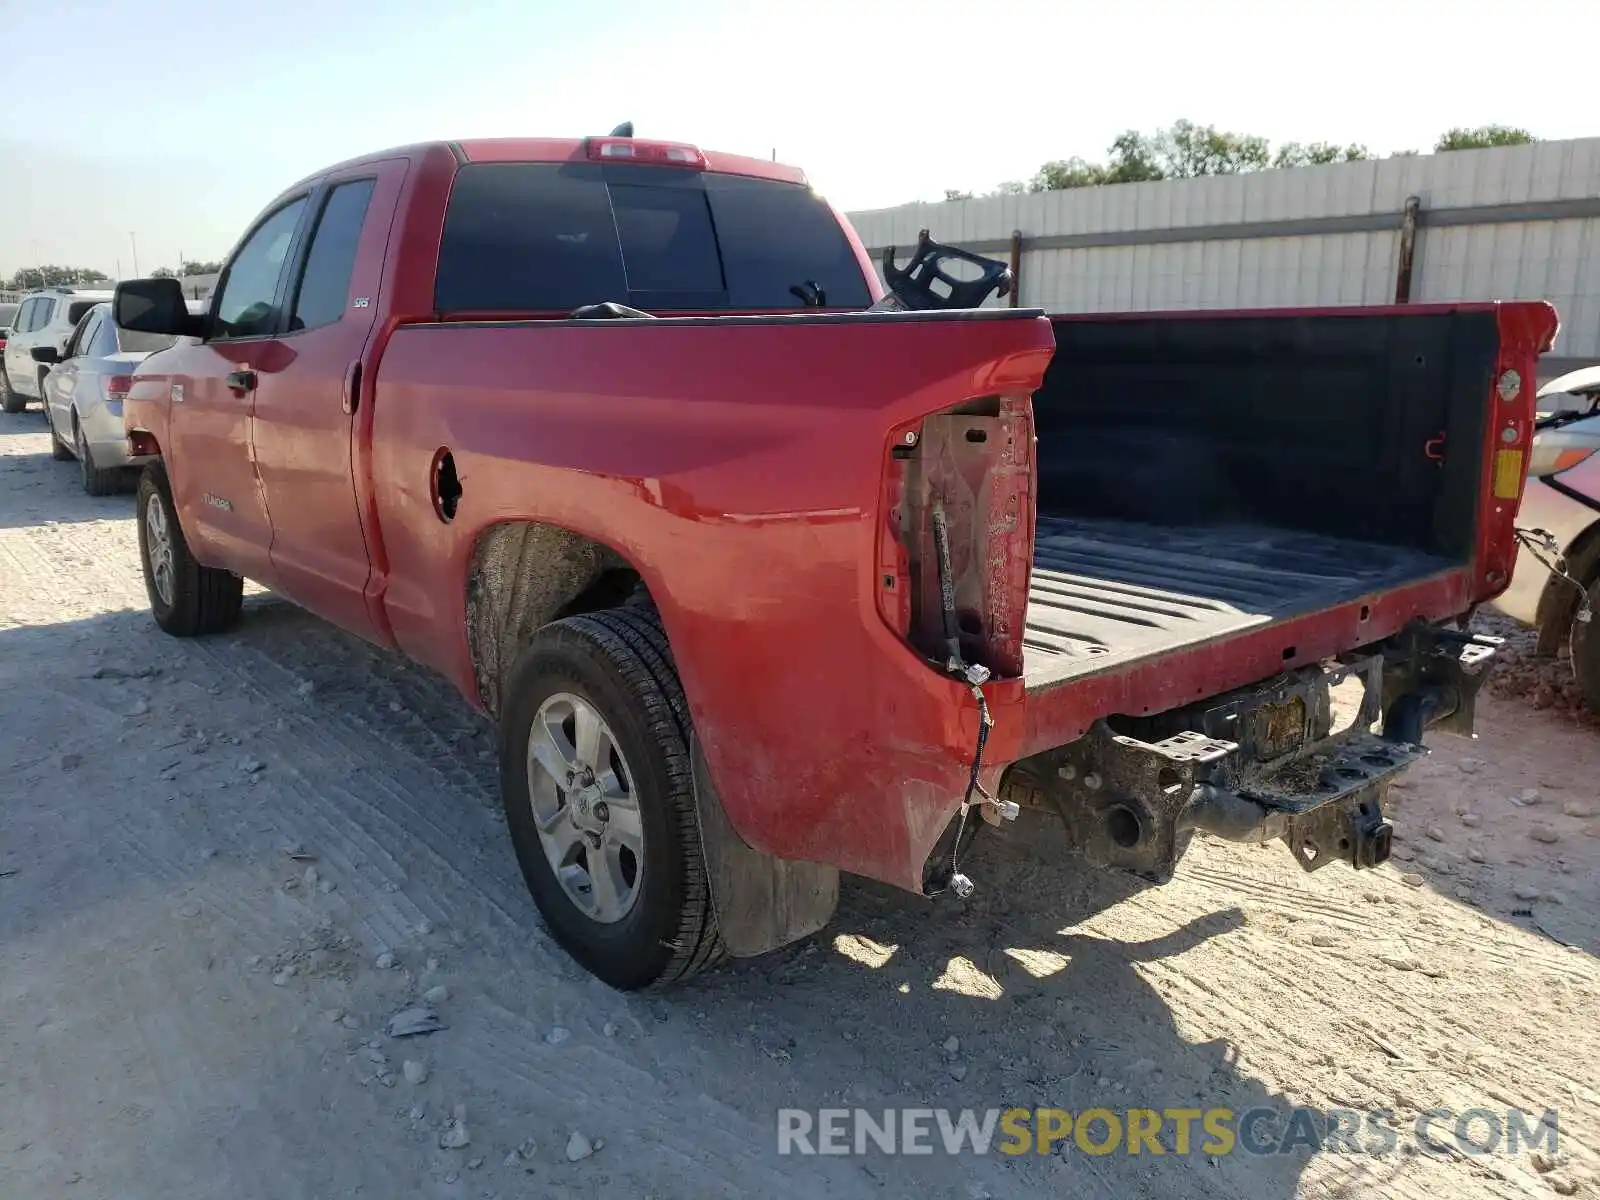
1016 267
1408 250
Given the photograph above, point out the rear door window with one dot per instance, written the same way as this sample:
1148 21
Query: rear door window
77 308
80 342
540 237
325 282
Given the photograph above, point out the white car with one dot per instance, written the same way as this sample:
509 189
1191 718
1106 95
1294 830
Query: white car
46 318
1562 497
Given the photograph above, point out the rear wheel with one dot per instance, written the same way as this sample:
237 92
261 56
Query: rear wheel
186 599
595 777
9 400
59 450
96 482
1585 643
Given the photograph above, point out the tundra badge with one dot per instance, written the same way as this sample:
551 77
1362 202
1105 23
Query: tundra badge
219 502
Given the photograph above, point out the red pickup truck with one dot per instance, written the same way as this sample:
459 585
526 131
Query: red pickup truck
761 586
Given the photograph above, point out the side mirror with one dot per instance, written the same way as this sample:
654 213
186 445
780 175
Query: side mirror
46 354
153 306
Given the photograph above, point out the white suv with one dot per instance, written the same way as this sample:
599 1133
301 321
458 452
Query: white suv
46 318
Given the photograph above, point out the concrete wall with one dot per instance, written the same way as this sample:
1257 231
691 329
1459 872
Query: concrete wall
1515 222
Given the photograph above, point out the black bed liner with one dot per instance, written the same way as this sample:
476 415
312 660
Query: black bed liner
1106 593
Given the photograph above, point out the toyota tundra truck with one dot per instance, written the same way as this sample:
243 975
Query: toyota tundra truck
763 579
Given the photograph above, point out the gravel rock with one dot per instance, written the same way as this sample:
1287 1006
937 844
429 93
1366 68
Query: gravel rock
437 994
527 1149
474 1163
326 886
375 1056
455 1136
511 1160
1581 809
1324 940
1412 879
556 1036
610 1029
311 878
411 1022
424 927
1545 834
252 766
958 1071
335 1015
1477 856
415 1072
384 961
282 977
952 1045
1471 820
579 1147
1470 766
139 708
71 762
1550 898
1530 796
1525 893
1400 962
349 1021
1434 833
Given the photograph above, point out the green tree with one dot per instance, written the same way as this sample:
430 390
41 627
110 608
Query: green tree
1481 136
208 267
1011 187
1066 173
1293 154
1133 159
956 194
163 273
50 275
1187 151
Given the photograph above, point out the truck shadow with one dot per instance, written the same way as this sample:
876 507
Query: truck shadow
1028 997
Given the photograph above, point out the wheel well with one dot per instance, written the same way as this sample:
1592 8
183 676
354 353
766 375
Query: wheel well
1558 602
524 575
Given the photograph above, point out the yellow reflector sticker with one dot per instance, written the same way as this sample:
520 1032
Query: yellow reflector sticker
1507 474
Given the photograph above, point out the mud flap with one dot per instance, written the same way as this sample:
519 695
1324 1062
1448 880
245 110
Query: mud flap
761 902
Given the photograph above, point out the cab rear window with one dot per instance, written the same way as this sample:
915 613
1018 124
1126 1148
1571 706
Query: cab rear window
551 237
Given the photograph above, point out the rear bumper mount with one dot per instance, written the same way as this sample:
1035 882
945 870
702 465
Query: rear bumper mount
1262 763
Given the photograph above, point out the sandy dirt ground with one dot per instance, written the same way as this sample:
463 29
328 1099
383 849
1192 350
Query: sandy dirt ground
224 864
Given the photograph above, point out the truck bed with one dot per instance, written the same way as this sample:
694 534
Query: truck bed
1107 593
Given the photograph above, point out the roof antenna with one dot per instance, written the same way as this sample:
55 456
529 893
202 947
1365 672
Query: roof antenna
623 130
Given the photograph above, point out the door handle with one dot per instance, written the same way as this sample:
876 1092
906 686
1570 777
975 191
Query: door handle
243 380
350 394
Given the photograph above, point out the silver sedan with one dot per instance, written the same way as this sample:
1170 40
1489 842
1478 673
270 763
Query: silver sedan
83 396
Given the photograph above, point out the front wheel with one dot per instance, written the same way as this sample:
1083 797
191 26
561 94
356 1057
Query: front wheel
1585 644
186 599
595 778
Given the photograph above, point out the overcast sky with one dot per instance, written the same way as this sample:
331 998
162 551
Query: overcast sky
177 120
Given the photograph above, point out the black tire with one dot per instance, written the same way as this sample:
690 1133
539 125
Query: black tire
96 482
10 401
617 660
205 599
1585 643
59 450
